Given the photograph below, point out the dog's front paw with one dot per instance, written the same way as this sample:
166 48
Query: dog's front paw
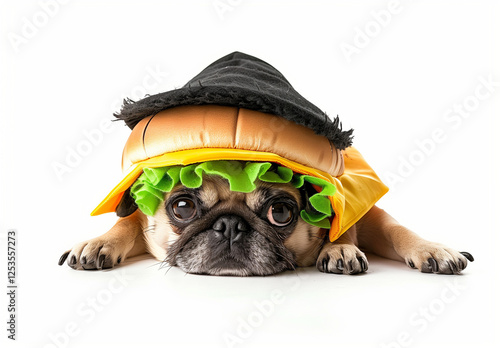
341 259
98 253
431 257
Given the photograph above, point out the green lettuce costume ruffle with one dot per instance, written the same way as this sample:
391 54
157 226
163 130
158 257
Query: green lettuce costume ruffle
149 189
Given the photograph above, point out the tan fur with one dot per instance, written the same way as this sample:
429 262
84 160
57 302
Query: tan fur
381 234
305 246
125 239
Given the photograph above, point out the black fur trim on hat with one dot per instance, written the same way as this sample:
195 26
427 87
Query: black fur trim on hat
243 81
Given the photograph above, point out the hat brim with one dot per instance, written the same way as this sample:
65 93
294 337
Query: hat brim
243 81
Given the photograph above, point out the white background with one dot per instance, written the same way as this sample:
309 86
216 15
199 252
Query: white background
65 69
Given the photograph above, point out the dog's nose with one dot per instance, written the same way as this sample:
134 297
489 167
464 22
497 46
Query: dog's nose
232 227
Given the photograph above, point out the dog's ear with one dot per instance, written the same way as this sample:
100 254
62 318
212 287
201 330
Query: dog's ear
306 192
126 206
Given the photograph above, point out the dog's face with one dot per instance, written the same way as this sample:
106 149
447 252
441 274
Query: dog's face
213 230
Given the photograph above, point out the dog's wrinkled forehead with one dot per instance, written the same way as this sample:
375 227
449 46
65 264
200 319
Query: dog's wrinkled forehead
215 189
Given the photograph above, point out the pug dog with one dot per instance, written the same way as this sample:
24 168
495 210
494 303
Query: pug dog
215 231
242 108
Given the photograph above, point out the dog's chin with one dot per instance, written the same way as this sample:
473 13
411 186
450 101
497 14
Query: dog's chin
228 266
256 256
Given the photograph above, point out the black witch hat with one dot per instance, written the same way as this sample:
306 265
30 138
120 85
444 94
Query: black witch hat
243 81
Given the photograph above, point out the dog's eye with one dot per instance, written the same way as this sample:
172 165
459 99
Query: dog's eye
184 209
280 214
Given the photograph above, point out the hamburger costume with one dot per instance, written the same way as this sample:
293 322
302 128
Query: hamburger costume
241 119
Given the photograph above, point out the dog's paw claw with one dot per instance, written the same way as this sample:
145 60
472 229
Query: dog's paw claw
100 263
468 256
63 258
453 267
350 268
72 262
88 263
433 264
324 265
340 265
363 263
410 264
